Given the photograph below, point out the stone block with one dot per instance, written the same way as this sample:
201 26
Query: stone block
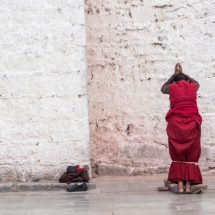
38 186
118 170
21 187
6 187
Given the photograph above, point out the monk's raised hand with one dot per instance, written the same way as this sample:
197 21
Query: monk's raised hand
178 69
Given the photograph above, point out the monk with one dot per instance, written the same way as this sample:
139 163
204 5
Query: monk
183 130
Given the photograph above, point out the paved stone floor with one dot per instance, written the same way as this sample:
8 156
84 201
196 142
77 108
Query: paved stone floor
113 196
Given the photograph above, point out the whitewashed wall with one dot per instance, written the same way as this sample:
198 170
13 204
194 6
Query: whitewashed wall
43 88
132 48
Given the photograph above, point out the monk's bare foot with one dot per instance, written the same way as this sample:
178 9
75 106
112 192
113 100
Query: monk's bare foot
180 187
188 187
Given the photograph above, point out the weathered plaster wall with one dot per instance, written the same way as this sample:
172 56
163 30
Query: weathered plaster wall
43 89
132 48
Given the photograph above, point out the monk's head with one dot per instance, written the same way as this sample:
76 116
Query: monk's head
180 77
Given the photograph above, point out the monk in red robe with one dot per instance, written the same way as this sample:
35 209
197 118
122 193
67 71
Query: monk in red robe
183 130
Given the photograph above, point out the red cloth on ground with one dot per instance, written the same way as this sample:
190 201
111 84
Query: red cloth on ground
183 101
184 132
184 145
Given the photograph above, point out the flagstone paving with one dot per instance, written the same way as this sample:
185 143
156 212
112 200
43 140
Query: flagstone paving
113 196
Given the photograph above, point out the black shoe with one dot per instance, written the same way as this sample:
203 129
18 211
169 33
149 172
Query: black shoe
77 188
70 189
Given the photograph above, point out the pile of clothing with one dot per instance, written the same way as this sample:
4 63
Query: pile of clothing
75 174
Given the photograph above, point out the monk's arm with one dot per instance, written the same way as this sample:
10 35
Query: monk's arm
194 81
165 87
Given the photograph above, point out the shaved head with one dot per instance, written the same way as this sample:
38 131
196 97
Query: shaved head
180 77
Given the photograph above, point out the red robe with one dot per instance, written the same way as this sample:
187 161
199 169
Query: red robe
184 132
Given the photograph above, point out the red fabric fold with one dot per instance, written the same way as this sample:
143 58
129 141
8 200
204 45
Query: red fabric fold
183 101
186 172
184 145
78 168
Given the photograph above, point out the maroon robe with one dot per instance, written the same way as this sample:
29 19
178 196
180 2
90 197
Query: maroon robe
184 132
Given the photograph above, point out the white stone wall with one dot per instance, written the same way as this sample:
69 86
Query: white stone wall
43 88
132 48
